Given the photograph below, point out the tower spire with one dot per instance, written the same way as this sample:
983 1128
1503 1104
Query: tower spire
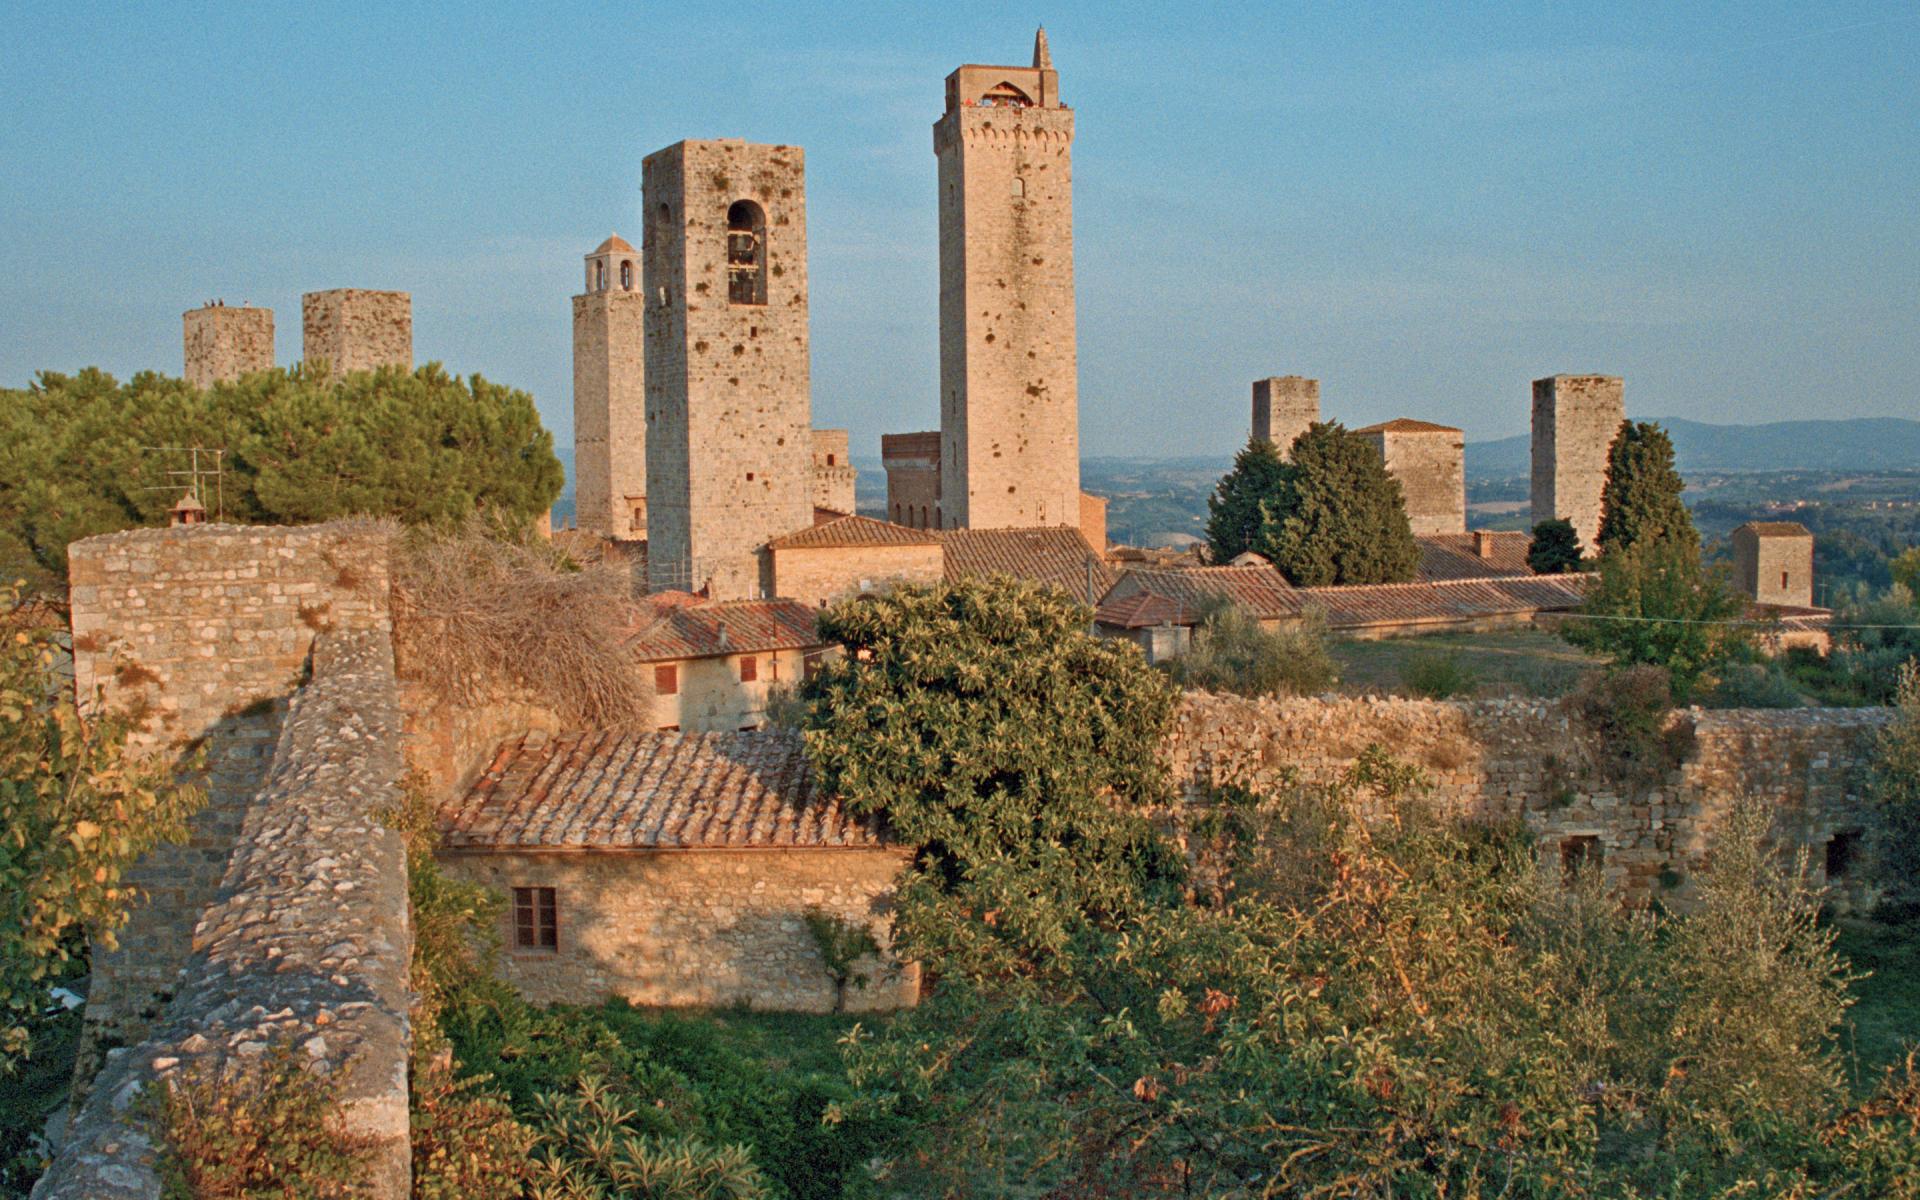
1042 57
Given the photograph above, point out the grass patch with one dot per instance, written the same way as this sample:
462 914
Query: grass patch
1886 1020
1503 662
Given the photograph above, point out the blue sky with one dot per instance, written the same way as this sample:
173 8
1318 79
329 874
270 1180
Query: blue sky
1423 207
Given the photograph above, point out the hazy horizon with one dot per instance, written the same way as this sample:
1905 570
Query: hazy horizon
1423 210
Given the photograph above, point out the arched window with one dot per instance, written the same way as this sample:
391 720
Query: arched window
896 512
1005 95
1019 188
746 253
600 276
939 522
830 463
626 275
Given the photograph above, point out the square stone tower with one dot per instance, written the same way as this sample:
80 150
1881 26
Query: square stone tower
833 473
353 329
1430 462
729 437
609 395
1009 383
912 462
1575 419
1774 562
222 343
1283 407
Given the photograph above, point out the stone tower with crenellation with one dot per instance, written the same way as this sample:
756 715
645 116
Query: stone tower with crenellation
729 442
1009 391
223 343
609 394
355 329
1575 419
1283 407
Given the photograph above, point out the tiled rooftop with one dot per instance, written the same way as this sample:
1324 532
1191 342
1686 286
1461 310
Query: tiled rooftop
1263 593
1456 556
649 791
675 625
1057 555
1407 425
847 531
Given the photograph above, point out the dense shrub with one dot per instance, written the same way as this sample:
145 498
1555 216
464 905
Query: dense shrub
1438 674
1655 605
1232 652
1628 711
1754 685
1555 548
1894 785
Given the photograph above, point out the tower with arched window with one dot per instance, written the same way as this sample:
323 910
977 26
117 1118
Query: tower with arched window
609 394
729 444
1009 390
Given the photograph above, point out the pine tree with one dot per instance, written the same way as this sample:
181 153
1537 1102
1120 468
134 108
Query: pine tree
1233 511
1338 516
1641 500
1555 549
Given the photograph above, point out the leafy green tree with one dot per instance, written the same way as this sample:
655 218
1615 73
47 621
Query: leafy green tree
83 454
1337 516
1555 548
1895 788
1233 511
1640 502
1905 569
75 813
1655 604
1232 652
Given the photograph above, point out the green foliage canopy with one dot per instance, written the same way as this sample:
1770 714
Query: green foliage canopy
84 454
1654 604
1895 788
1555 548
1234 509
1231 652
1640 502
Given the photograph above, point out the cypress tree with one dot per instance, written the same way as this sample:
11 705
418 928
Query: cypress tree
1555 549
1641 500
1338 516
1233 511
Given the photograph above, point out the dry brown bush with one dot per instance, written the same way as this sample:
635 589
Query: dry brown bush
474 613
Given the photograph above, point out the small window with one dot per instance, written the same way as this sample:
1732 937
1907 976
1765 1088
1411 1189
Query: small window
1783 581
746 253
1019 188
599 277
773 668
1579 855
939 522
669 729
626 276
666 680
829 460
1843 849
749 729
536 919
749 668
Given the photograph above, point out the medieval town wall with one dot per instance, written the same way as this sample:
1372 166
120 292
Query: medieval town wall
1531 760
305 945
698 927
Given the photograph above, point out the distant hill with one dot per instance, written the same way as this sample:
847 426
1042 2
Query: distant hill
1858 443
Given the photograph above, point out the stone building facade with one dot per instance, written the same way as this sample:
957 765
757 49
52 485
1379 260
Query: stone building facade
729 436
609 394
354 329
1429 461
223 343
712 664
833 473
1283 407
1575 419
848 556
1773 562
1009 390
912 462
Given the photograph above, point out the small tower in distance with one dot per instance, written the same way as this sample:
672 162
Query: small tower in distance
354 329
610 394
1283 407
223 343
729 400
1009 384
1575 419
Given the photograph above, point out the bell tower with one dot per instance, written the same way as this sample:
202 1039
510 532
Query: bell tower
1009 384
609 394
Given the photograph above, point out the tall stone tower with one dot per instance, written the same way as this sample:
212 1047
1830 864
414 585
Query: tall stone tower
1429 460
1575 418
609 394
1009 390
729 439
353 329
222 343
1283 407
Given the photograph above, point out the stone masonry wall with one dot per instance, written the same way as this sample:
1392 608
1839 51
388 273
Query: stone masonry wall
1283 407
1499 759
696 927
306 944
610 411
354 329
819 575
834 475
1575 418
206 630
223 343
1431 468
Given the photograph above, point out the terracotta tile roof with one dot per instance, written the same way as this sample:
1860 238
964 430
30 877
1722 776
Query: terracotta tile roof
667 627
649 791
615 244
1446 556
1262 591
1056 555
822 515
1778 528
1407 425
853 531
1355 606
